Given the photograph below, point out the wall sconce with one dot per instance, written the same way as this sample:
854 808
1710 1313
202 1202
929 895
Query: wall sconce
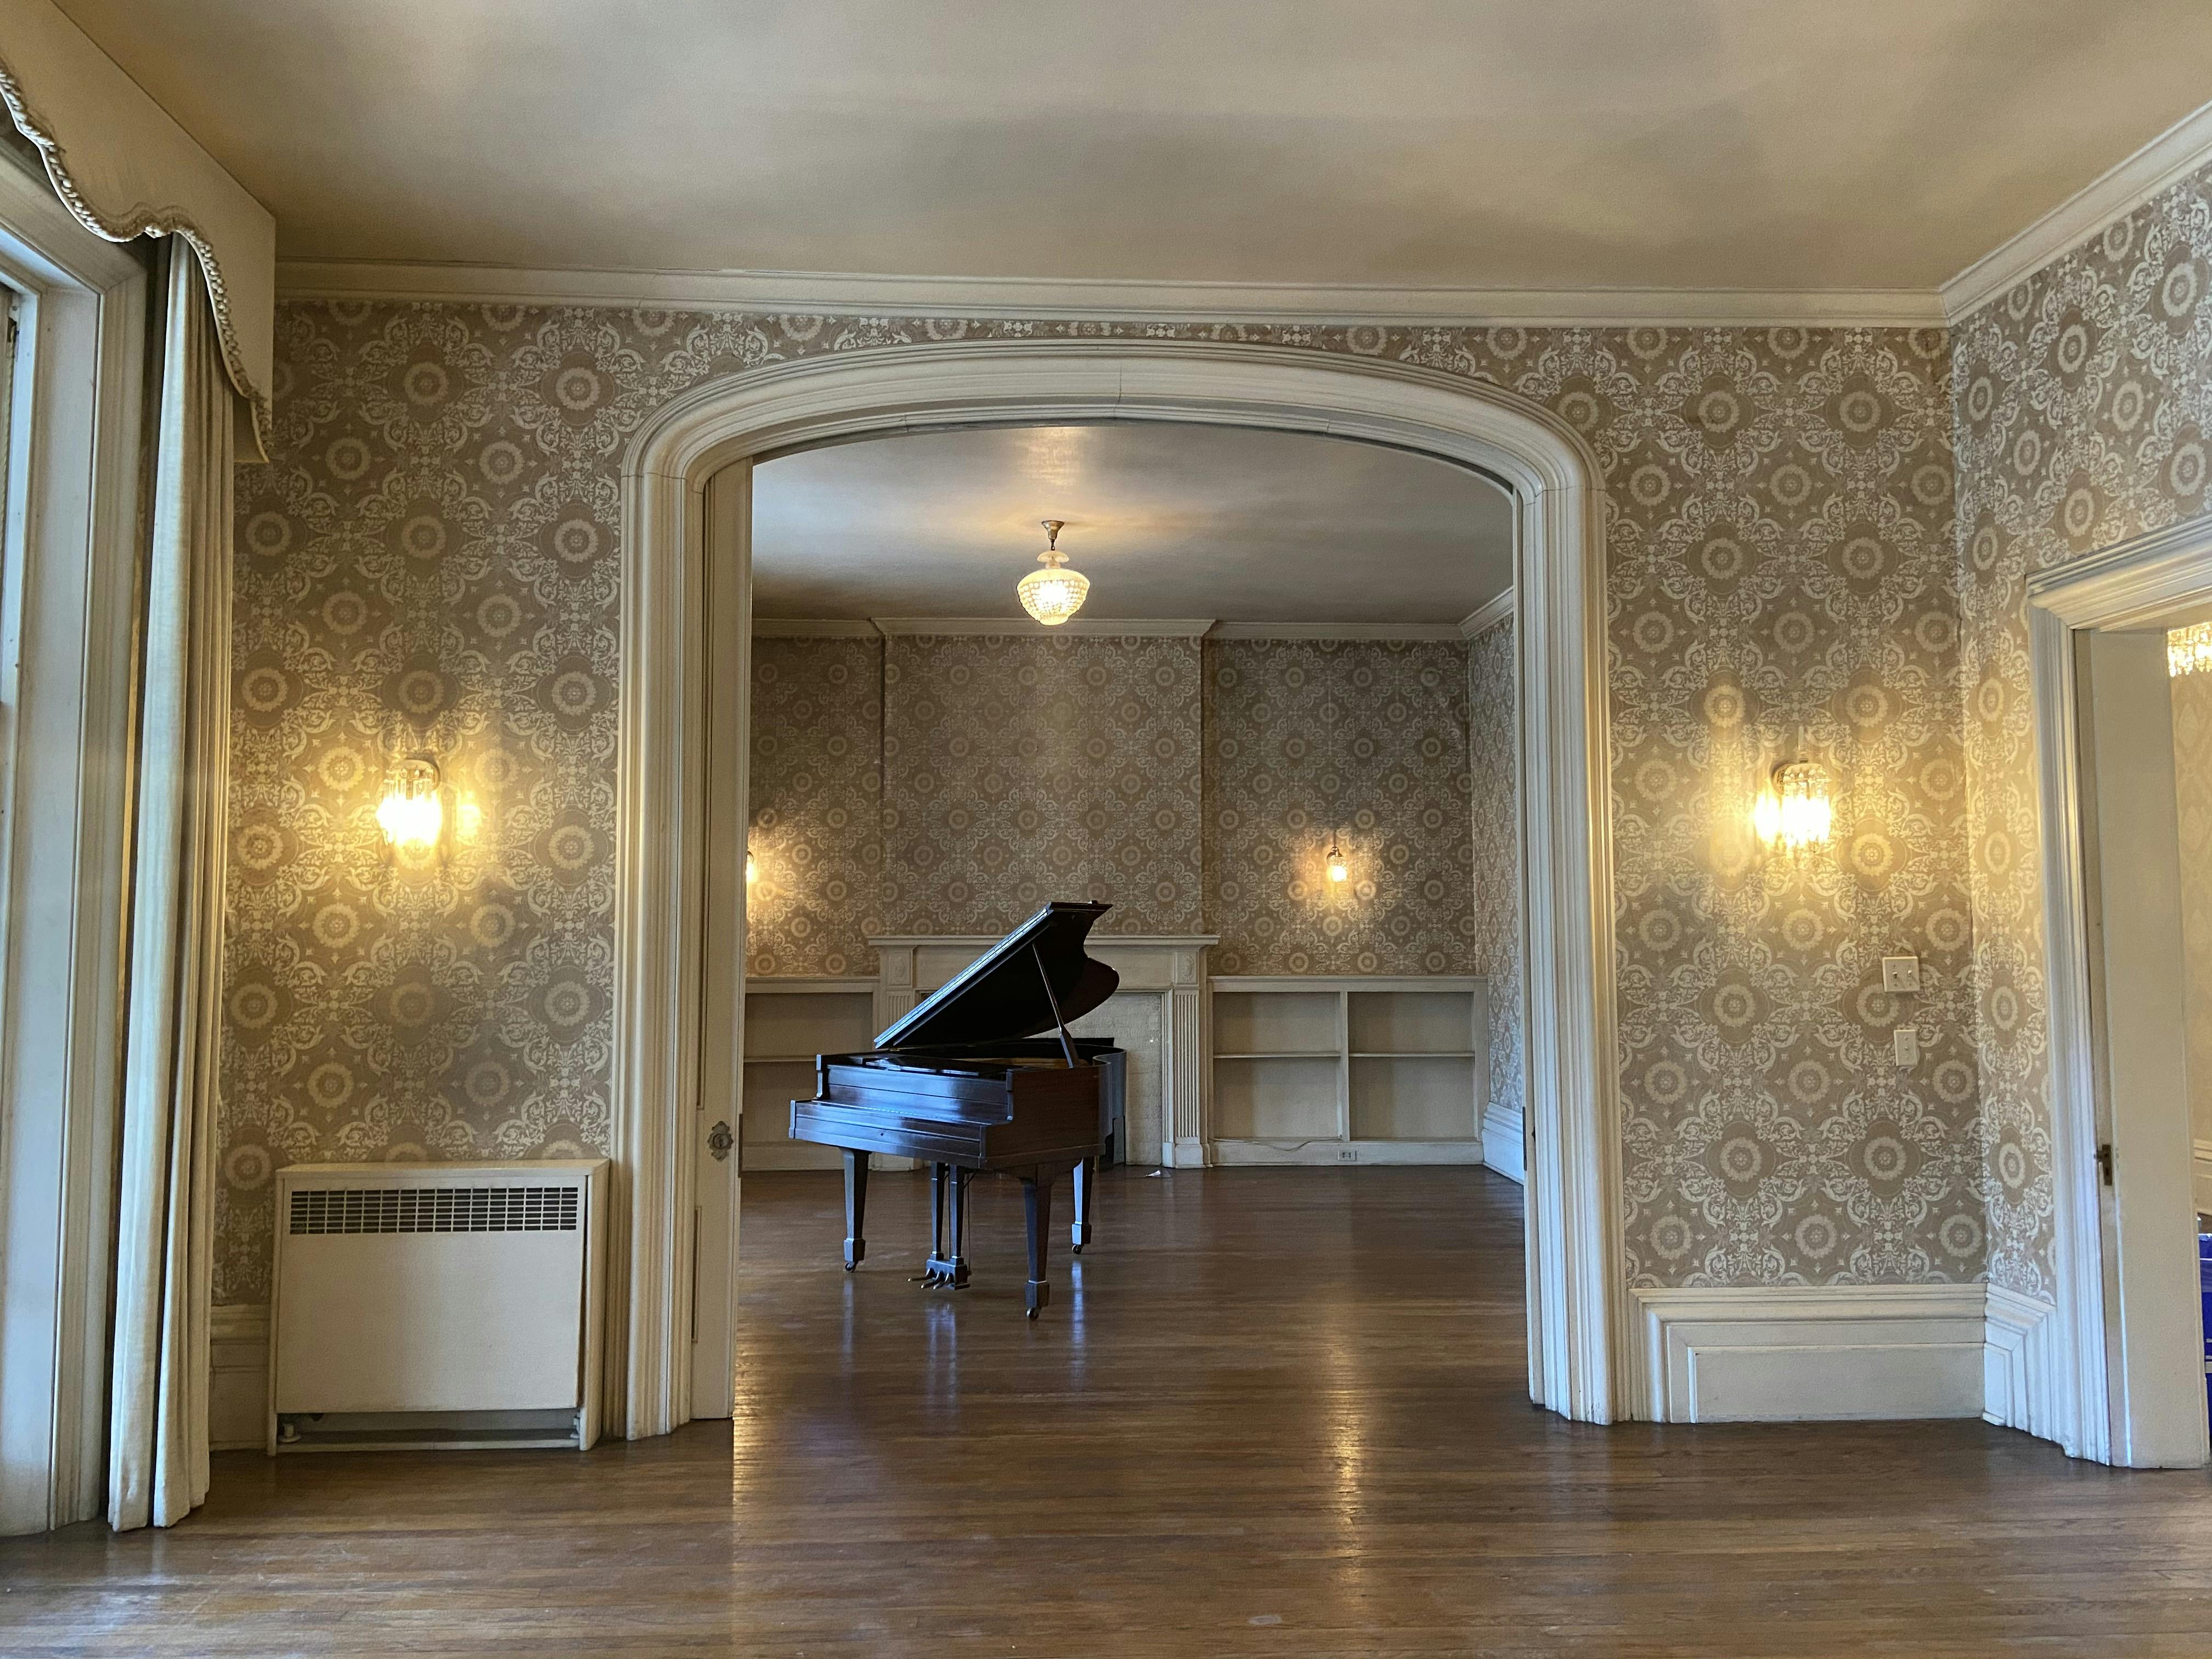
1338 871
412 815
1795 810
752 867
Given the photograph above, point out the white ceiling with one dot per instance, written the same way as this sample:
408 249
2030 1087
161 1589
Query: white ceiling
1167 521
1555 144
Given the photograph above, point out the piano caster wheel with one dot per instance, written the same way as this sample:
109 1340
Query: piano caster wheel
1032 1313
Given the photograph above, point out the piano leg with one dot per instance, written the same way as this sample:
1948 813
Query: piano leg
1036 1202
960 1180
856 1208
1079 1231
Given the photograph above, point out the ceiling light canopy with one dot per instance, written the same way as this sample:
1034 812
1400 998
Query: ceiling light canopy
1056 593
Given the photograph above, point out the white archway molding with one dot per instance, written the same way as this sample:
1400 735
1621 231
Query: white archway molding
1578 1340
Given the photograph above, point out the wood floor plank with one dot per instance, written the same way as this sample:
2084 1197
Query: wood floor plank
1270 1412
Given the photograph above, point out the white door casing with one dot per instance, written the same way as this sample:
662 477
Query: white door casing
2120 1403
1578 1337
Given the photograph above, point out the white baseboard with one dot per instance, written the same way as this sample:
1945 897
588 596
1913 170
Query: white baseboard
2020 1368
238 1389
1504 1145
1809 1353
1333 1153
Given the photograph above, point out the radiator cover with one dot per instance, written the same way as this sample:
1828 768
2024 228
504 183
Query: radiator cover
437 1304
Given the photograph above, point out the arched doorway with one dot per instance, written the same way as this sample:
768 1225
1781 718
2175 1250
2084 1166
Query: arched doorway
677 533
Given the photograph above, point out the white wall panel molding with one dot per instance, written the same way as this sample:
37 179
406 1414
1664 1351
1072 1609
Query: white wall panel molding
1756 1354
2202 1162
862 294
2172 155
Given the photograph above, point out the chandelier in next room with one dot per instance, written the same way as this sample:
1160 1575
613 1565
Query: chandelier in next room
1056 593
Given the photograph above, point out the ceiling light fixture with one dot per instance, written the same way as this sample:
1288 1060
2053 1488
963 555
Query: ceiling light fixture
2189 650
1056 593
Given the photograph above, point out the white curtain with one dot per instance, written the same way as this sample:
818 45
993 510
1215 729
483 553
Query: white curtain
158 1428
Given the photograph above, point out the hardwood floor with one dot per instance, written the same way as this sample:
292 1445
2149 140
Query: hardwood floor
1271 1411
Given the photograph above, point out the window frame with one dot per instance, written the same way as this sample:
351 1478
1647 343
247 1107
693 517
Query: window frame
69 604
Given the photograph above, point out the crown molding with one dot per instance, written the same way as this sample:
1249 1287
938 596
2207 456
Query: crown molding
813 628
1480 621
1153 628
1172 628
2179 150
1234 630
1050 299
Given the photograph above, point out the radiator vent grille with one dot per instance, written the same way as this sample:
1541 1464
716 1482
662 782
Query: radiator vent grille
436 1210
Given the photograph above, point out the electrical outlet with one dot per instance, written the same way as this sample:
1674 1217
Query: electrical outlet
1904 1044
1347 1155
1900 974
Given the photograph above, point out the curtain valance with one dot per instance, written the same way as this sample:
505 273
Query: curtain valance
126 169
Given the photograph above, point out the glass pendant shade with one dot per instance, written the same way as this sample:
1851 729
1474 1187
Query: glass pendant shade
2189 650
1055 593
1795 812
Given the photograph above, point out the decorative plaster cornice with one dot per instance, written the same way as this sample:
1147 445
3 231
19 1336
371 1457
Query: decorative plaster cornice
813 628
849 293
1480 621
1234 630
2178 151
1155 628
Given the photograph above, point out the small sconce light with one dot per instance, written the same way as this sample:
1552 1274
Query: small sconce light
752 867
1795 810
411 814
1338 871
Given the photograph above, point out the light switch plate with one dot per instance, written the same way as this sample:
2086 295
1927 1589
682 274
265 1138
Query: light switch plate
1900 973
1904 1044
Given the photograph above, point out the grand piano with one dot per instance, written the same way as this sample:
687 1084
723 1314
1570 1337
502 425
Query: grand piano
961 1082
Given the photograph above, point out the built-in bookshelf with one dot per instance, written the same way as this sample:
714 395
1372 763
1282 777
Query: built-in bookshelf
1368 1070
787 1023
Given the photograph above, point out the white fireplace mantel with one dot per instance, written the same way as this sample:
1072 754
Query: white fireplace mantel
1171 966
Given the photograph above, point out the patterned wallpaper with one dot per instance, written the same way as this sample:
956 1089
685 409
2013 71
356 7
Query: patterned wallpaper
1019 769
430 557
1493 767
2084 396
2192 786
814 817
1364 738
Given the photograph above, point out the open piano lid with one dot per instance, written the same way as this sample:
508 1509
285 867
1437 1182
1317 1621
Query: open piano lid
999 997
